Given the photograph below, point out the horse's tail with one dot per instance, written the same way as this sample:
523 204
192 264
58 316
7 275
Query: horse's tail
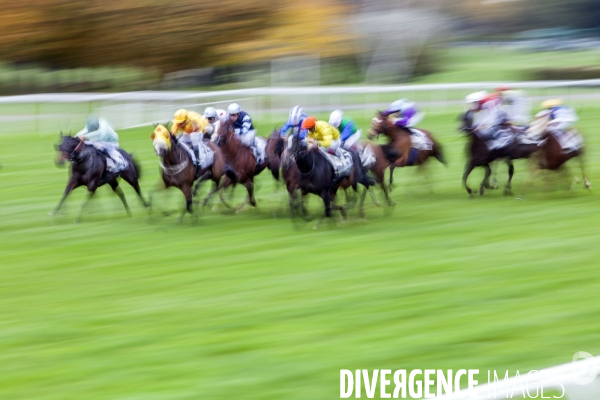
137 166
439 153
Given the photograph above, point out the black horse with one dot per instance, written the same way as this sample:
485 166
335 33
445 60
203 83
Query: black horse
479 155
317 176
88 168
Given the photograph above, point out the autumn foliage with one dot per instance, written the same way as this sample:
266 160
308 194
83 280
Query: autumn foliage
167 35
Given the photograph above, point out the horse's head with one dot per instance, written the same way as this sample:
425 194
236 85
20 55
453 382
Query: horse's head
162 140
380 124
225 133
69 148
466 120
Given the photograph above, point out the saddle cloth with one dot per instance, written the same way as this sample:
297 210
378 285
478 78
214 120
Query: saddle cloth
259 149
569 140
420 140
367 157
342 165
114 160
499 139
205 154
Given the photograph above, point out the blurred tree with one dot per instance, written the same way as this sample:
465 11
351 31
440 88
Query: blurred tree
507 16
171 35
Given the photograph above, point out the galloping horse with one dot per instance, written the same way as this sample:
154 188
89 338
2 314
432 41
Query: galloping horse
400 140
553 157
273 151
88 167
479 155
314 175
178 169
241 159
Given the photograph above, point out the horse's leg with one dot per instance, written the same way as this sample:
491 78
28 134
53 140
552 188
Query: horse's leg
468 169
207 175
115 187
71 185
392 166
422 170
132 180
92 191
361 210
187 192
213 190
586 183
511 172
385 190
488 172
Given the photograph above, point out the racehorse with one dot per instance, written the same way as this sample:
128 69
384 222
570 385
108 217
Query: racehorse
88 168
178 169
315 175
400 140
241 159
274 149
479 155
553 157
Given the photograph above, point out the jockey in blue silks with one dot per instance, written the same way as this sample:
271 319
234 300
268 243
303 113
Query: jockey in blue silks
294 122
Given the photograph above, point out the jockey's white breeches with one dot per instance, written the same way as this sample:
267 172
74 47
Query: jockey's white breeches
248 138
194 138
335 144
351 141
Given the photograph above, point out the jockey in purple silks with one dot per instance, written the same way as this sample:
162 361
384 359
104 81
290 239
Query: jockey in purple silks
406 112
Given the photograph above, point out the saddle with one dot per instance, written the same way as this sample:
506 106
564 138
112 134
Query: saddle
342 165
420 140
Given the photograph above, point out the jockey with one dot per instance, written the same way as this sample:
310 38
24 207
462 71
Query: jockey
405 112
193 126
322 133
101 136
516 106
349 133
561 117
213 117
243 127
295 119
486 117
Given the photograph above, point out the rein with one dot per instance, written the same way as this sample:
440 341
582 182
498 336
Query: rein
175 169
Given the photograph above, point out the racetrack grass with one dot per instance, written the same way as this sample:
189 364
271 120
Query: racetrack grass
251 306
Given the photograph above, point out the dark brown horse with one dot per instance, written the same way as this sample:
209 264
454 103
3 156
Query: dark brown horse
553 158
88 168
479 155
400 141
241 159
274 149
178 169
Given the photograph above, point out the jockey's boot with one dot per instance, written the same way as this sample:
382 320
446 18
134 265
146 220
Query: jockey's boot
197 155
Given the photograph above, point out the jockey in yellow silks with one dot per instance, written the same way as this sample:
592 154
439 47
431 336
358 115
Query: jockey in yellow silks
320 131
193 126
161 138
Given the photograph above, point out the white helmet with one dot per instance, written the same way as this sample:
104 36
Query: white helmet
475 97
398 105
210 112
335 119
234 108
295 115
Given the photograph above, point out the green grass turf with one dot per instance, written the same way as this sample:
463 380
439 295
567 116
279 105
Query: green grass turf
248 306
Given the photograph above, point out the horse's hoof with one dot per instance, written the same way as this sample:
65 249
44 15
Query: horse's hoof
377 203
52 213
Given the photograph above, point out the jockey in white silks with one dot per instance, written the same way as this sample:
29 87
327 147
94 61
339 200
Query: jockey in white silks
488 119
214 116
516 105
243 127
99 134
